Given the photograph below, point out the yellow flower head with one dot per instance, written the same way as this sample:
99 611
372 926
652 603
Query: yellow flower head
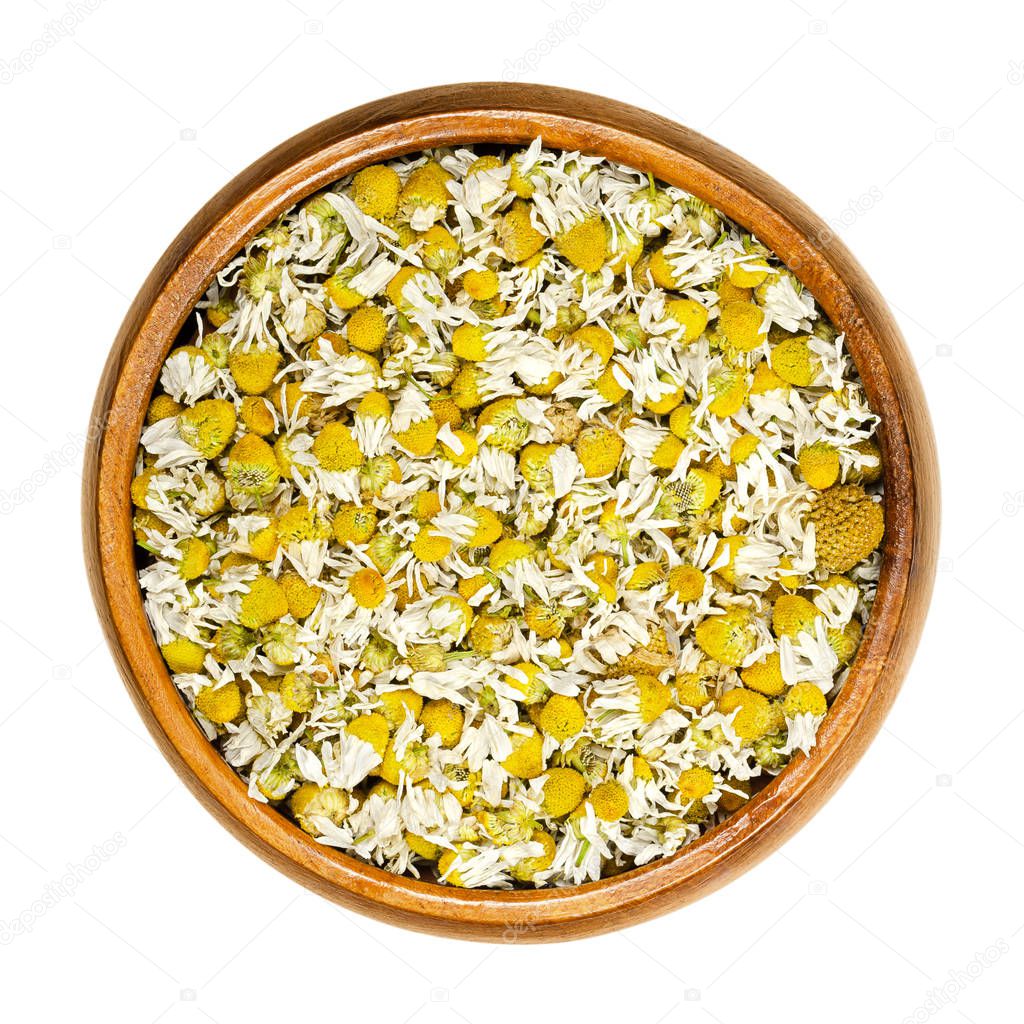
162 407
664 405
423 847
254 370
367 587
599 450
375 191
845 641
310 802
529 867
563 790
481 284
686 582
396 286
595 339
527 758
695 783
221 704
366 328
335 449
183 655
508 429
728 548
517 235
562 717
301 523
440 252
465 388
765 676
729 389
698 491
425 193
690 314
292 400
793 614
848 527
448 868
668 452
819 464
398 705
546 620
470 586
662 272
469 445
680 421
490 634
804 698
754 713
520 180
413 765
468 341
741 324
430 546
208 426
655 696
766 380
692 690
535 465
298 692
442 718
354 524
585 244
645 575
608 386
871 471
257 415
609 800
302 597
418 438
252 467
748 272
488 525
194 559
265 602
508 551
527 680
445 410
795 363
374 405
377 472
728 638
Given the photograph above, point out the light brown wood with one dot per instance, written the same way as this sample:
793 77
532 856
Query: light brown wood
493 112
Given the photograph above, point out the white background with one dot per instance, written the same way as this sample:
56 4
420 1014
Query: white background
898 123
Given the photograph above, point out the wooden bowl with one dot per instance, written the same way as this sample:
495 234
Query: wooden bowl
503 113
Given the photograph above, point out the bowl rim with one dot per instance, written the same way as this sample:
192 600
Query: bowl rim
499 112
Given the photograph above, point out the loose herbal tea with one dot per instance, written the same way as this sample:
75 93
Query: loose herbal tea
511 519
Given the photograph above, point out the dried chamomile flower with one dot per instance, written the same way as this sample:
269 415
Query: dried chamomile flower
252 467
208 426
848 527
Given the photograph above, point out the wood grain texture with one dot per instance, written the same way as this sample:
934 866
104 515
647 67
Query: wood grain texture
515 114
